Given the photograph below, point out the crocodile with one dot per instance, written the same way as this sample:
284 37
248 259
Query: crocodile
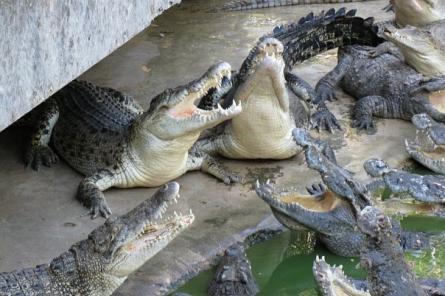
105 135
233 275
263 130
98 265
238 5
332 281
384 85
330 209
429 149
424 188
388 274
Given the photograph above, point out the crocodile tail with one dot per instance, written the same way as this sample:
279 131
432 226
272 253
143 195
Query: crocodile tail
312 34
238 5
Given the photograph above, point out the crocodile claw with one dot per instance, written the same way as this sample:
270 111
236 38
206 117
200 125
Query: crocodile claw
378 51
363 123
324 120
37 155
94 199
316 189
231 178
324 93
99 207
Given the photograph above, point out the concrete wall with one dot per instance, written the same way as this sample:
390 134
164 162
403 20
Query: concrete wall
47 43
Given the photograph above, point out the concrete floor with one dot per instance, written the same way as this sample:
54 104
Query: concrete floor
40 218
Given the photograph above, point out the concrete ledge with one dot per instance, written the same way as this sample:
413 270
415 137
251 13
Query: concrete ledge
46 44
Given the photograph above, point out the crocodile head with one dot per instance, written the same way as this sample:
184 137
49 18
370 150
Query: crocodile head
175 113
234 274
428 147
123 244
331 281
423 48
319 212
376 167
262 73
416 12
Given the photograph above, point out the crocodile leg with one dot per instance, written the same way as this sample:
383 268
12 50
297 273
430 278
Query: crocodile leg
387 47
432 85
90 192
421 104
325 87
322 118
300 87
38 152
368 106
208 164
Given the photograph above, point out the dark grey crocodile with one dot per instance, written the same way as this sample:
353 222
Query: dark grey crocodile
264 88
385 86
428 147
329 212
388 274
105 135
237 5
233 277
332 281
99 264
425 188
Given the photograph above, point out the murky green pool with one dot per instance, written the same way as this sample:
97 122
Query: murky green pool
282 266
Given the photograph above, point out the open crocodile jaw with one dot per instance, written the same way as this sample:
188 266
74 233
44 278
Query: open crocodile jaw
437 99
331 281
150 236
285 205
263 130
428 154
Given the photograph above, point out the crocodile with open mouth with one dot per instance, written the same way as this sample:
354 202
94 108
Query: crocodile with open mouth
388 274
98 265
106 135
332 281
429 149
384 85
265 88
330 212
425 188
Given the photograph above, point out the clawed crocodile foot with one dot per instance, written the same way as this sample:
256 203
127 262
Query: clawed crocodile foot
363 123
378 51
94 199
317 190
37 155
231 178
324 93
324 120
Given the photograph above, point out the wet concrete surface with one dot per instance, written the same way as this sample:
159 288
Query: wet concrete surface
40 218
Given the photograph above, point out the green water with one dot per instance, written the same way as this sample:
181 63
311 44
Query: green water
282 266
